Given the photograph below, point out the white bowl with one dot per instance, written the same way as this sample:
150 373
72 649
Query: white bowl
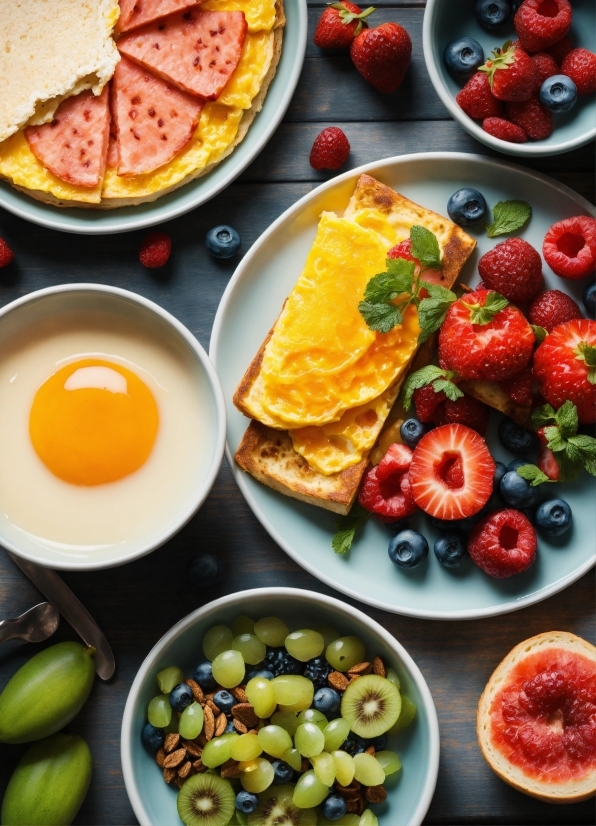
23 314
409 796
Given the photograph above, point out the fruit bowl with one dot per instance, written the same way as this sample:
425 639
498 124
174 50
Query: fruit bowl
408 799
445 21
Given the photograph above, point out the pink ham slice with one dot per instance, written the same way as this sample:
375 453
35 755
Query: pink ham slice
195 50
153 120
134 13
74 146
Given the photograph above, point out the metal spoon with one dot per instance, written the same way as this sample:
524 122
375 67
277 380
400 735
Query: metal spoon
35 625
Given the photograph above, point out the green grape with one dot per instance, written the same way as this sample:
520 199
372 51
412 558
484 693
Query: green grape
243 625
324 768
260 693
228 668
345 652
309 740
190 724
406 715
287 720
217 751
390 762
275 740
311 715
159 712
293 758
328 632
169 677
304 645
393 678
272 631
368 818
217 639
309 791
368 770
258 776
250 646
335 733
293 692
344 767
172 727
245 748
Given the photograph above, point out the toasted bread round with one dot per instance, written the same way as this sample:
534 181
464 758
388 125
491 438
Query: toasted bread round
569 791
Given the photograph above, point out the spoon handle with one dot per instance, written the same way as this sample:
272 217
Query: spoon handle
8 630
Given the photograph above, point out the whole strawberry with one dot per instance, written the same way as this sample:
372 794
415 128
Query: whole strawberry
6 254
541 24
477 100
511 73
580 66
382 56
339 24
512 268
330 149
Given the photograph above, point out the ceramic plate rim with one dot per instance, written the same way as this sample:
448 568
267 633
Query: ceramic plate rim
240 476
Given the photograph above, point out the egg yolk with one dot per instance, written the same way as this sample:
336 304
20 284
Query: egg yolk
93 422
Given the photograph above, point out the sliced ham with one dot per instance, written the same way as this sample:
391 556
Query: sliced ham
74 145
135 13
195 50
153 120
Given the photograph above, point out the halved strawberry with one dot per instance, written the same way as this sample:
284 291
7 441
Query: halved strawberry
451 474
547 462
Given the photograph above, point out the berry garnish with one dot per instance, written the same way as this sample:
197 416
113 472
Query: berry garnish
339 24
6 254
463 56
551 308
408 549
516 438
558 93
561 49
330 149
553 517
492 13
541 23
512 268
477 100
534 118
155 250
546 66
503 543
511 73
569 247
411 431
426 402
382 56
519 387
504 130
517 491
589 299
385 490
222 241
580 66
547 463
450 549
467 206
466 410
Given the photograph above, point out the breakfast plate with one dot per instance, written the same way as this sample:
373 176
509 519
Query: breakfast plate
246 313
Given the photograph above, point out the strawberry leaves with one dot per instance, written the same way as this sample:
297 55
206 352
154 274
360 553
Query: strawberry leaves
586 352
346 527
437 377
346 16
484 313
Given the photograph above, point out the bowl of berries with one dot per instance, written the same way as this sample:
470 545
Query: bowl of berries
518 76
279 705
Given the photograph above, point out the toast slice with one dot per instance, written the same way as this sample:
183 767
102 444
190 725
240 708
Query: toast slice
267 453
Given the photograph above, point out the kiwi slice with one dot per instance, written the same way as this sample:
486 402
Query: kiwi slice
277 809
206 800
371 705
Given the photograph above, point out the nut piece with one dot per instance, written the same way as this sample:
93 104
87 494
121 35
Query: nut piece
171 742
239 694
197 691
184 770
240 727
246 714
347 791
220 724
169 775
174 759
209 722
378 667
160 756
199 767
375 794
178 782
370 750
214 708
338 681
354 677
192 748
231 768
355 806
361 668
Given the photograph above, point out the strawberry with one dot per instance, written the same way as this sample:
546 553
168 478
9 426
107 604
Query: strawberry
534 118
546 66
504 130
382 56
519 388
512 268
580 66
565 367
404 250
542 23
547 463
569 247
6 254
484 337
339 24
477 100
451 453
330 149
155 250
552 308
503 543
386 489
426 401
511 73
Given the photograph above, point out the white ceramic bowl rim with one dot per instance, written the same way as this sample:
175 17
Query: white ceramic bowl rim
220 414
531 149
351 613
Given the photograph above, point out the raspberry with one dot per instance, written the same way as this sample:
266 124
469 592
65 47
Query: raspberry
389 499
512 268
330 149
504 130
6 254
561 49
580 66
155 250
396 460
534 118
519 387
546 66
465 410
503 543
477 100
552 308
426 402
541 23
569 247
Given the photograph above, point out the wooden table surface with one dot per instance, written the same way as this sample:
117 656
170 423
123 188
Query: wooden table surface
138 603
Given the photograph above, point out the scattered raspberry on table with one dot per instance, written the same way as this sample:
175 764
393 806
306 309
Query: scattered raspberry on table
330 149
6 254
155 250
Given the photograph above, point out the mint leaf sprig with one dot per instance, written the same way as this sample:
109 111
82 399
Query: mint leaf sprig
509 216
346 527
437 377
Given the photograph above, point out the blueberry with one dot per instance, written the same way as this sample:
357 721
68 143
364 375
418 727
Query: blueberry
589 299
408 548
515 437
500 471
152 737
326 700
246 802
466 206
517 492
203 675
463 56
224 700
334 807
492 13
558 93
411 431
553 517
204 571
380 742
278 661
317 670
283 772
354 744
515 463
450 550
259 672
230 728
180 697
222 241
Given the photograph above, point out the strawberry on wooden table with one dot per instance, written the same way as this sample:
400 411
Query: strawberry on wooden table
382 56
511 73
339 24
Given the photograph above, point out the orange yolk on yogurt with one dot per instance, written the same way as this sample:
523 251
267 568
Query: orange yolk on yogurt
93 422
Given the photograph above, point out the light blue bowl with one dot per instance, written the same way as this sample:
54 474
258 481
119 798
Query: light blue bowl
445 21
409 792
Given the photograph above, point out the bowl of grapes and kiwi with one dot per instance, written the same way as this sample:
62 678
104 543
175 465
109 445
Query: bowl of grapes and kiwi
279 706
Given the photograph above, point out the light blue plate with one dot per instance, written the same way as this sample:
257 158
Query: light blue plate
445 21
251 304
195 193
